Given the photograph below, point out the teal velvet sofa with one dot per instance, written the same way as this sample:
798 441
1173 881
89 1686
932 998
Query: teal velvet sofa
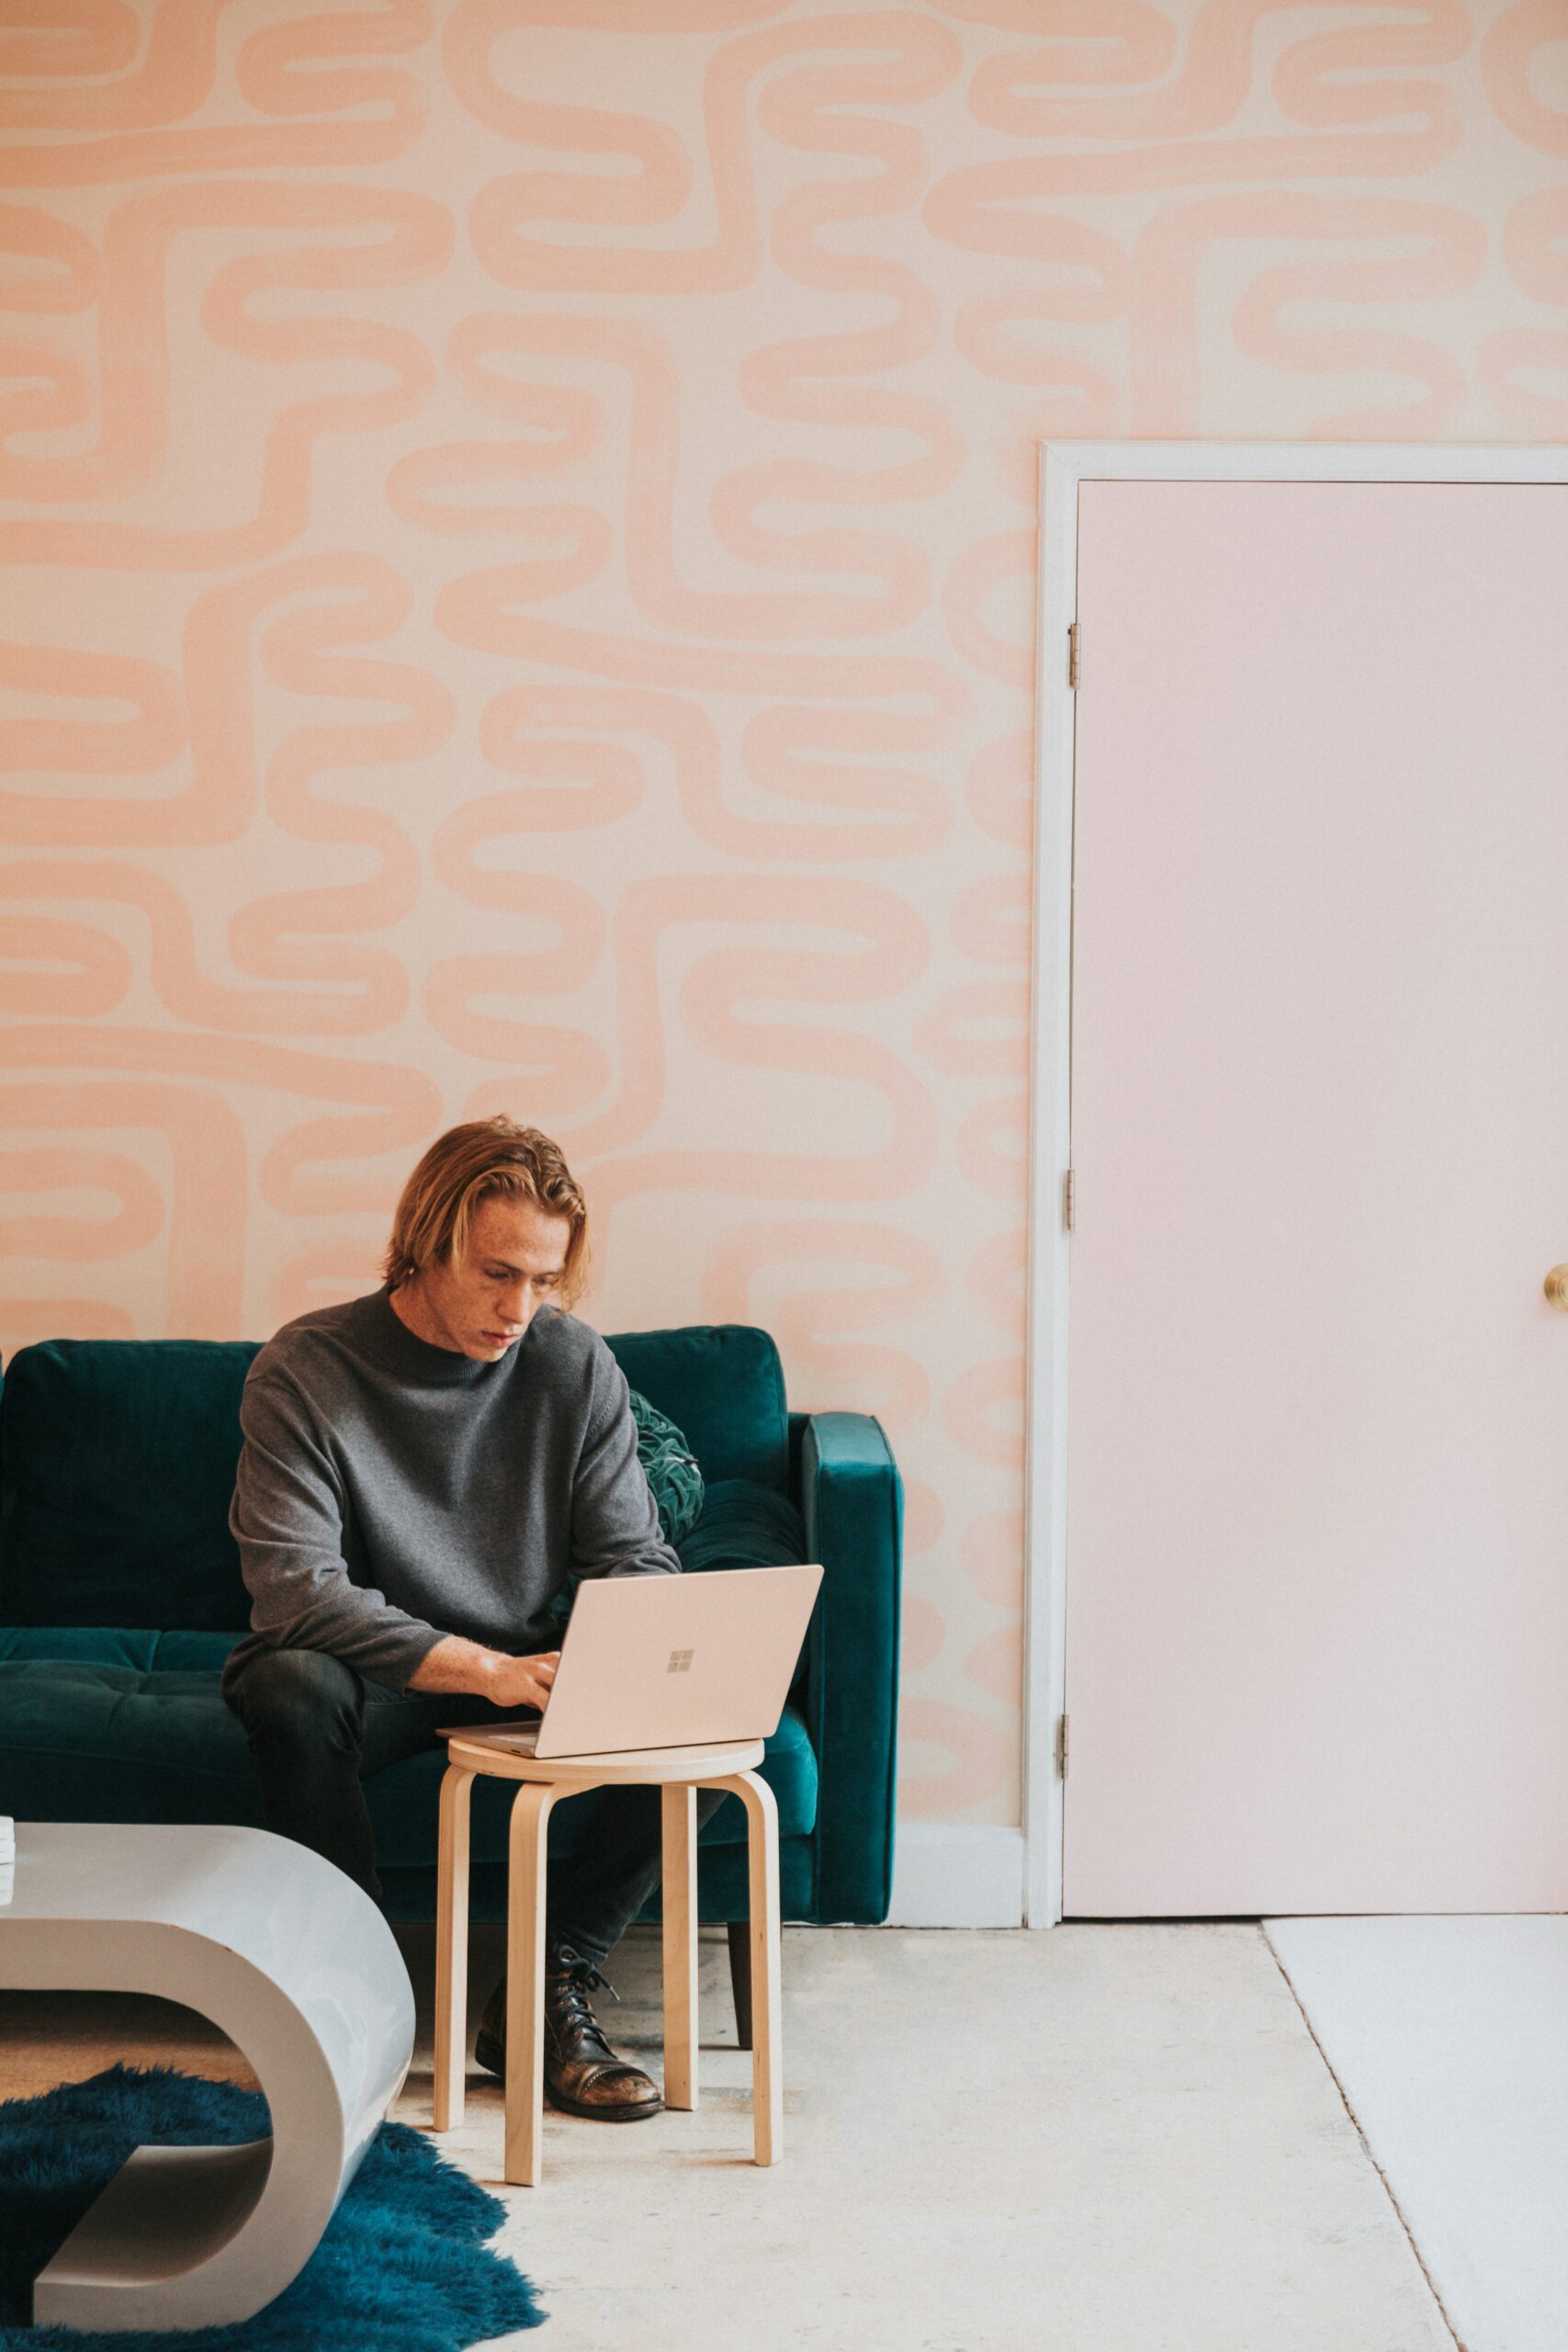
120 1595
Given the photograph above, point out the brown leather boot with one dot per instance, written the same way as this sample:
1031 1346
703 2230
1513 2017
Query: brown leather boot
582 2074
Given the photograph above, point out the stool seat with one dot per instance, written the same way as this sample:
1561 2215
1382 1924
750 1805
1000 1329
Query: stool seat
507 1755
502 1753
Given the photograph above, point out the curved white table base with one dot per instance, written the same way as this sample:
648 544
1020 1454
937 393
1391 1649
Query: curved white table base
292 1961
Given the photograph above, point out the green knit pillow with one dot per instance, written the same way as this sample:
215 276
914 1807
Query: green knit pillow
671 1468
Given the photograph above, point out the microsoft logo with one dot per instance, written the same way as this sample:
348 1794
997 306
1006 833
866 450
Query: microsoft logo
680 1662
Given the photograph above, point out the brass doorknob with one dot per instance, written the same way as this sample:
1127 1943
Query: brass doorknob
1557 1286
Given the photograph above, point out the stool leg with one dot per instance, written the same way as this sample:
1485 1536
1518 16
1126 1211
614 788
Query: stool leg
767 2056
680 1945
525 1982
739 1934
452 1950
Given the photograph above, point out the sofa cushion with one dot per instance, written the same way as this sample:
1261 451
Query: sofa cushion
743 1525
723 1383
85 1738
118 1466
81 1741
137 1646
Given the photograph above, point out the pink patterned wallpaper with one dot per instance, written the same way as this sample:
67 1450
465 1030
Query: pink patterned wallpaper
519 545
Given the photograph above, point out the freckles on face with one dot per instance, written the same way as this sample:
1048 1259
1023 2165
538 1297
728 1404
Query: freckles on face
515 1264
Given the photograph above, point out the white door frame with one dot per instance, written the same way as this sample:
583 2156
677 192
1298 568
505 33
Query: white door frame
1063 466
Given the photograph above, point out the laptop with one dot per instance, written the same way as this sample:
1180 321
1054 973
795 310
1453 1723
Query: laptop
686 1661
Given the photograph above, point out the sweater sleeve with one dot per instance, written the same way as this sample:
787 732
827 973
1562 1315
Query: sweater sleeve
614 1519
286 1516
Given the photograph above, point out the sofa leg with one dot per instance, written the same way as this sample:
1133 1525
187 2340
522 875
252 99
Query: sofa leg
740 1979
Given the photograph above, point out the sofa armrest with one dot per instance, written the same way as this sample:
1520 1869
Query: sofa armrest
851 1500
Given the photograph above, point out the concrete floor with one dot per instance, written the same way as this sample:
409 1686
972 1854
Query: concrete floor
1106 2139
1446 2037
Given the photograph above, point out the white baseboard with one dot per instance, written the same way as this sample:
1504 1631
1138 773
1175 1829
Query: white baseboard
947 1877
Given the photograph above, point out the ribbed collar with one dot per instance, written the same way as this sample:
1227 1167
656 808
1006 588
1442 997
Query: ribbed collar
386 1336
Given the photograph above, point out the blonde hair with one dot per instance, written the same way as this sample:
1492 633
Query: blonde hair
470 1164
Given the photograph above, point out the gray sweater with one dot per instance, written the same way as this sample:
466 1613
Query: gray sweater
391 1493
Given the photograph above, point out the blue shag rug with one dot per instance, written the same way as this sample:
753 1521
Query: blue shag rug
403 2266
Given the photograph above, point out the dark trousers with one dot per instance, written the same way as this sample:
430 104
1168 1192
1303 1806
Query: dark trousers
315 1726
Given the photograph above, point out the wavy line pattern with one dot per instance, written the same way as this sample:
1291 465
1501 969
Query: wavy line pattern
520 523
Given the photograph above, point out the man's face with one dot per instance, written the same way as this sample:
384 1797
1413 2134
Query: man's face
482 1304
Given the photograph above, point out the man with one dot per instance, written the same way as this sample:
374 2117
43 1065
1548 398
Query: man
421 1470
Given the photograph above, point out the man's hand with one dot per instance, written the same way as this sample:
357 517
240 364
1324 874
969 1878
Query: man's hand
522 1681
467 1666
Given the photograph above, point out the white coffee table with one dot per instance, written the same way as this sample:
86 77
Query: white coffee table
299 1967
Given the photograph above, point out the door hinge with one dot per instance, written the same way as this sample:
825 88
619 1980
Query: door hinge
1067 1202
1073 654
1061 1747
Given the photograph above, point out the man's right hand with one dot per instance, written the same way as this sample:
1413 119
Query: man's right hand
467 1666
522 1681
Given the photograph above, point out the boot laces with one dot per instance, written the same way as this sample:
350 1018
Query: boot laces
572 1982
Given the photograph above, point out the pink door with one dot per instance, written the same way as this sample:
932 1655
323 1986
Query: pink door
1318 1495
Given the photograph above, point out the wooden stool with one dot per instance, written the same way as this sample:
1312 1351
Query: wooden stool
679 1772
